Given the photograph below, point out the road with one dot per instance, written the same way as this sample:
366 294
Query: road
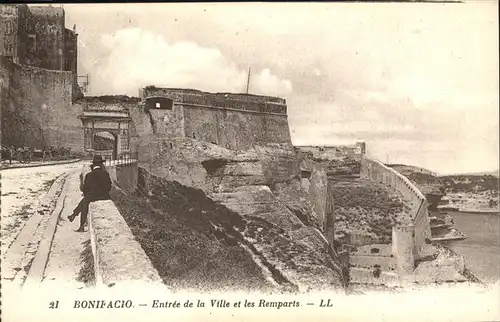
39 245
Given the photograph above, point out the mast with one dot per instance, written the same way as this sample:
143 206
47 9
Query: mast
248 79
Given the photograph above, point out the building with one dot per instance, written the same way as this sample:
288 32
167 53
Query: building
328 152
36 36
38 77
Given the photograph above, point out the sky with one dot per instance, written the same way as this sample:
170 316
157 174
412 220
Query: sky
418 82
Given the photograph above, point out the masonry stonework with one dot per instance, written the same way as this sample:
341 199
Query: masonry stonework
37 109
234 121
403 244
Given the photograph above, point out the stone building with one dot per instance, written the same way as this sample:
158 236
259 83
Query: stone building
38 76
36 36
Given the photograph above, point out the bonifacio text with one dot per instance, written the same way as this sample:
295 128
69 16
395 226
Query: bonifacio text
176 304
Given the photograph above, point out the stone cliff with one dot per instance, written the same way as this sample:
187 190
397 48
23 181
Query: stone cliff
279 195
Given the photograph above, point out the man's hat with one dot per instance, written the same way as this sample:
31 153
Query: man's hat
97 159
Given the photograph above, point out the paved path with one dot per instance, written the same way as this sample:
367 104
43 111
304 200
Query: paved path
44 249
64 262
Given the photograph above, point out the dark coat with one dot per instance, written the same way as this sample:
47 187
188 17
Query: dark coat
97 185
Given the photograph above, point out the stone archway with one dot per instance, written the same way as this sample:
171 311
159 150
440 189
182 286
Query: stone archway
99 128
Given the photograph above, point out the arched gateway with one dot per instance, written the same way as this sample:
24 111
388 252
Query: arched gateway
106 131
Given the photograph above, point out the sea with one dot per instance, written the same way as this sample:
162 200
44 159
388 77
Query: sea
481 249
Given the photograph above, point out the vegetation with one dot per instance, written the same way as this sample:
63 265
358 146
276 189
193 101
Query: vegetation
365 208
190 239
468 183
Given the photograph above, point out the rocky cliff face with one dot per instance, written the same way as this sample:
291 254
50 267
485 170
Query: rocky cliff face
279 194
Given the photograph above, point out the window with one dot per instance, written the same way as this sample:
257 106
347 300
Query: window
157 105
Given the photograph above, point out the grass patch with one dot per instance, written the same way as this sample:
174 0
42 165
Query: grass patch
86 274
366 208
190 239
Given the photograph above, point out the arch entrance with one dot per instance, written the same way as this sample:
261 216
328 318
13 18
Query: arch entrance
106 133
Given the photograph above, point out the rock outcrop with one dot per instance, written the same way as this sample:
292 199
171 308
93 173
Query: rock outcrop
277 191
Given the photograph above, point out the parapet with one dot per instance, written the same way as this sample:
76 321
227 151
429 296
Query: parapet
118 257
239 101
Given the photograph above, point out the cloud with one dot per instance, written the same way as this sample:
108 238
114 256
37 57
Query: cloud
135 58
409 82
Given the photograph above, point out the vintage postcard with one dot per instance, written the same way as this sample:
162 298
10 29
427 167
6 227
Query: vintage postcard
250 161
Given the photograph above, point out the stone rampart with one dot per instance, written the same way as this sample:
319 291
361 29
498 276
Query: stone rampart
377 171
233 121
37 108
247 102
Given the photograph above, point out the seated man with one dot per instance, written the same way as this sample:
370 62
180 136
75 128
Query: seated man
96 186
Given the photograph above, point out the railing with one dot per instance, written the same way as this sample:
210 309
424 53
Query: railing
123 158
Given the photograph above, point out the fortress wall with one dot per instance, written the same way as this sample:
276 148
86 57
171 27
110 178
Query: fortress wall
354 151
168 122
378 172
233 121
39 112
370 262
201 124
366 276
234 129
107 103
226 100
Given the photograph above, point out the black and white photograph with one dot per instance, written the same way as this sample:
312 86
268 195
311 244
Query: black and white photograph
200 161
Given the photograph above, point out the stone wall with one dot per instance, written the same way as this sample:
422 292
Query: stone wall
112 104
235 129
118 258
39 112
367 276
378 172
257 103
332 152
234 121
